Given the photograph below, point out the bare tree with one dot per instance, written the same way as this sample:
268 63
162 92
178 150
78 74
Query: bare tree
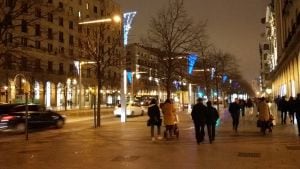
102 45
174 34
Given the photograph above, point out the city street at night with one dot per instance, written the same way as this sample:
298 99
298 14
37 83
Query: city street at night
129 145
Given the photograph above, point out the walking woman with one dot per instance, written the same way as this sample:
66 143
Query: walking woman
169 113
154 119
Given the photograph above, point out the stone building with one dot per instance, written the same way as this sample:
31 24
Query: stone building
283 34
43 49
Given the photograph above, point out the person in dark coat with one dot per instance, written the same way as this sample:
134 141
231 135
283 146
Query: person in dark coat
211 119
297 110
154 119
234 110
283 106
291 109
198 115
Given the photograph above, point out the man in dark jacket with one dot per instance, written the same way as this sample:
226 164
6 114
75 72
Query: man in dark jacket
154 119
297 110
234 109
211 119
284 106
198 115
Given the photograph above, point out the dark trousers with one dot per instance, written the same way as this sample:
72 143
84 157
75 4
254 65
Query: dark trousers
235 122
283 117
298 122
199 131
211 130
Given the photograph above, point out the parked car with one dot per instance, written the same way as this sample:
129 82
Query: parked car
133 109
14 119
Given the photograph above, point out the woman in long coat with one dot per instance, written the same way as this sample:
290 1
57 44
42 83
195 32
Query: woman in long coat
169 113
264 114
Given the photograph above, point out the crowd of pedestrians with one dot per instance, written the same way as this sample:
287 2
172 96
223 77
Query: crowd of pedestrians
206 116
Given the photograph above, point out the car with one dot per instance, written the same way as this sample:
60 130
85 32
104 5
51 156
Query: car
133 109
38 117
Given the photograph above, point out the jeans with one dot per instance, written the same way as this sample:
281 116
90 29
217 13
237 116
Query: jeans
211 129
235 122
152 130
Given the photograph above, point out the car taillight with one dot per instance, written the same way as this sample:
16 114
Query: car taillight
7 118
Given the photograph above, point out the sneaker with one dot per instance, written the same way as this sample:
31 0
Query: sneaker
153 139
159 138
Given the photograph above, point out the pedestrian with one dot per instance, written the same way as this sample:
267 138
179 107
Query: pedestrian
264 116
211 118
234 110
169 113
199 112
242 106
249 108
291 110
154 119
283 107
297 110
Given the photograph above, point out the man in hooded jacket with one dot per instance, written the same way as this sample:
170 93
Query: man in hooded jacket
199 112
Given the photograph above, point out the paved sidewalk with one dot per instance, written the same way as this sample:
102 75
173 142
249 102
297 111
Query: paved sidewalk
129 146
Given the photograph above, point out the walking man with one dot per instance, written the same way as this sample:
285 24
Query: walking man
234 109
211 119
297 110
198 115
283 105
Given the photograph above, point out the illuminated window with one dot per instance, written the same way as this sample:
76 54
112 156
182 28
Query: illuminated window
87 5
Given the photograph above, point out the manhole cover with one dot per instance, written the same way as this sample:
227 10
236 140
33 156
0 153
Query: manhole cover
293 147
250 155
29 151
126 158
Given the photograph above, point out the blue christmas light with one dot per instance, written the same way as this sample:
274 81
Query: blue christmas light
128 18
129 77
192 58
224 78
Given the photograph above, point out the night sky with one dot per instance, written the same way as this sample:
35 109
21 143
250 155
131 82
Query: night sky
233 25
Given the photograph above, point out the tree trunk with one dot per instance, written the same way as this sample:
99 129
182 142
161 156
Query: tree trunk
98 114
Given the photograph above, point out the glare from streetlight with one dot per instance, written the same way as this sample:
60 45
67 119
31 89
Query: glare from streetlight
117 19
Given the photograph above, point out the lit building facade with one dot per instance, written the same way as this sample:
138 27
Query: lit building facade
283 33
45 47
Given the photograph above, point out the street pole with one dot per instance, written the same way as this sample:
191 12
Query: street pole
26 116
79 98
123 96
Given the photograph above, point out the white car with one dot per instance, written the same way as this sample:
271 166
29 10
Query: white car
132 110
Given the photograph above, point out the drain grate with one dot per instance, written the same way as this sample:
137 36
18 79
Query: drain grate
250 155
293 147
126 158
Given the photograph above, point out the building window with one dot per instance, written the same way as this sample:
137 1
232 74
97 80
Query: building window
71 52
61 37
79 44
24 41
38 12
23 63
102 13
61 68
50 17
80 2
95 9
88 72
38 63
71 68
24 26
24 7
61 21
79 28
50 66
71 40
50 34
50 47
9 3
37 30
50 1
60 5
87 6
79 14
8 38
70 24
37 44
61 50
